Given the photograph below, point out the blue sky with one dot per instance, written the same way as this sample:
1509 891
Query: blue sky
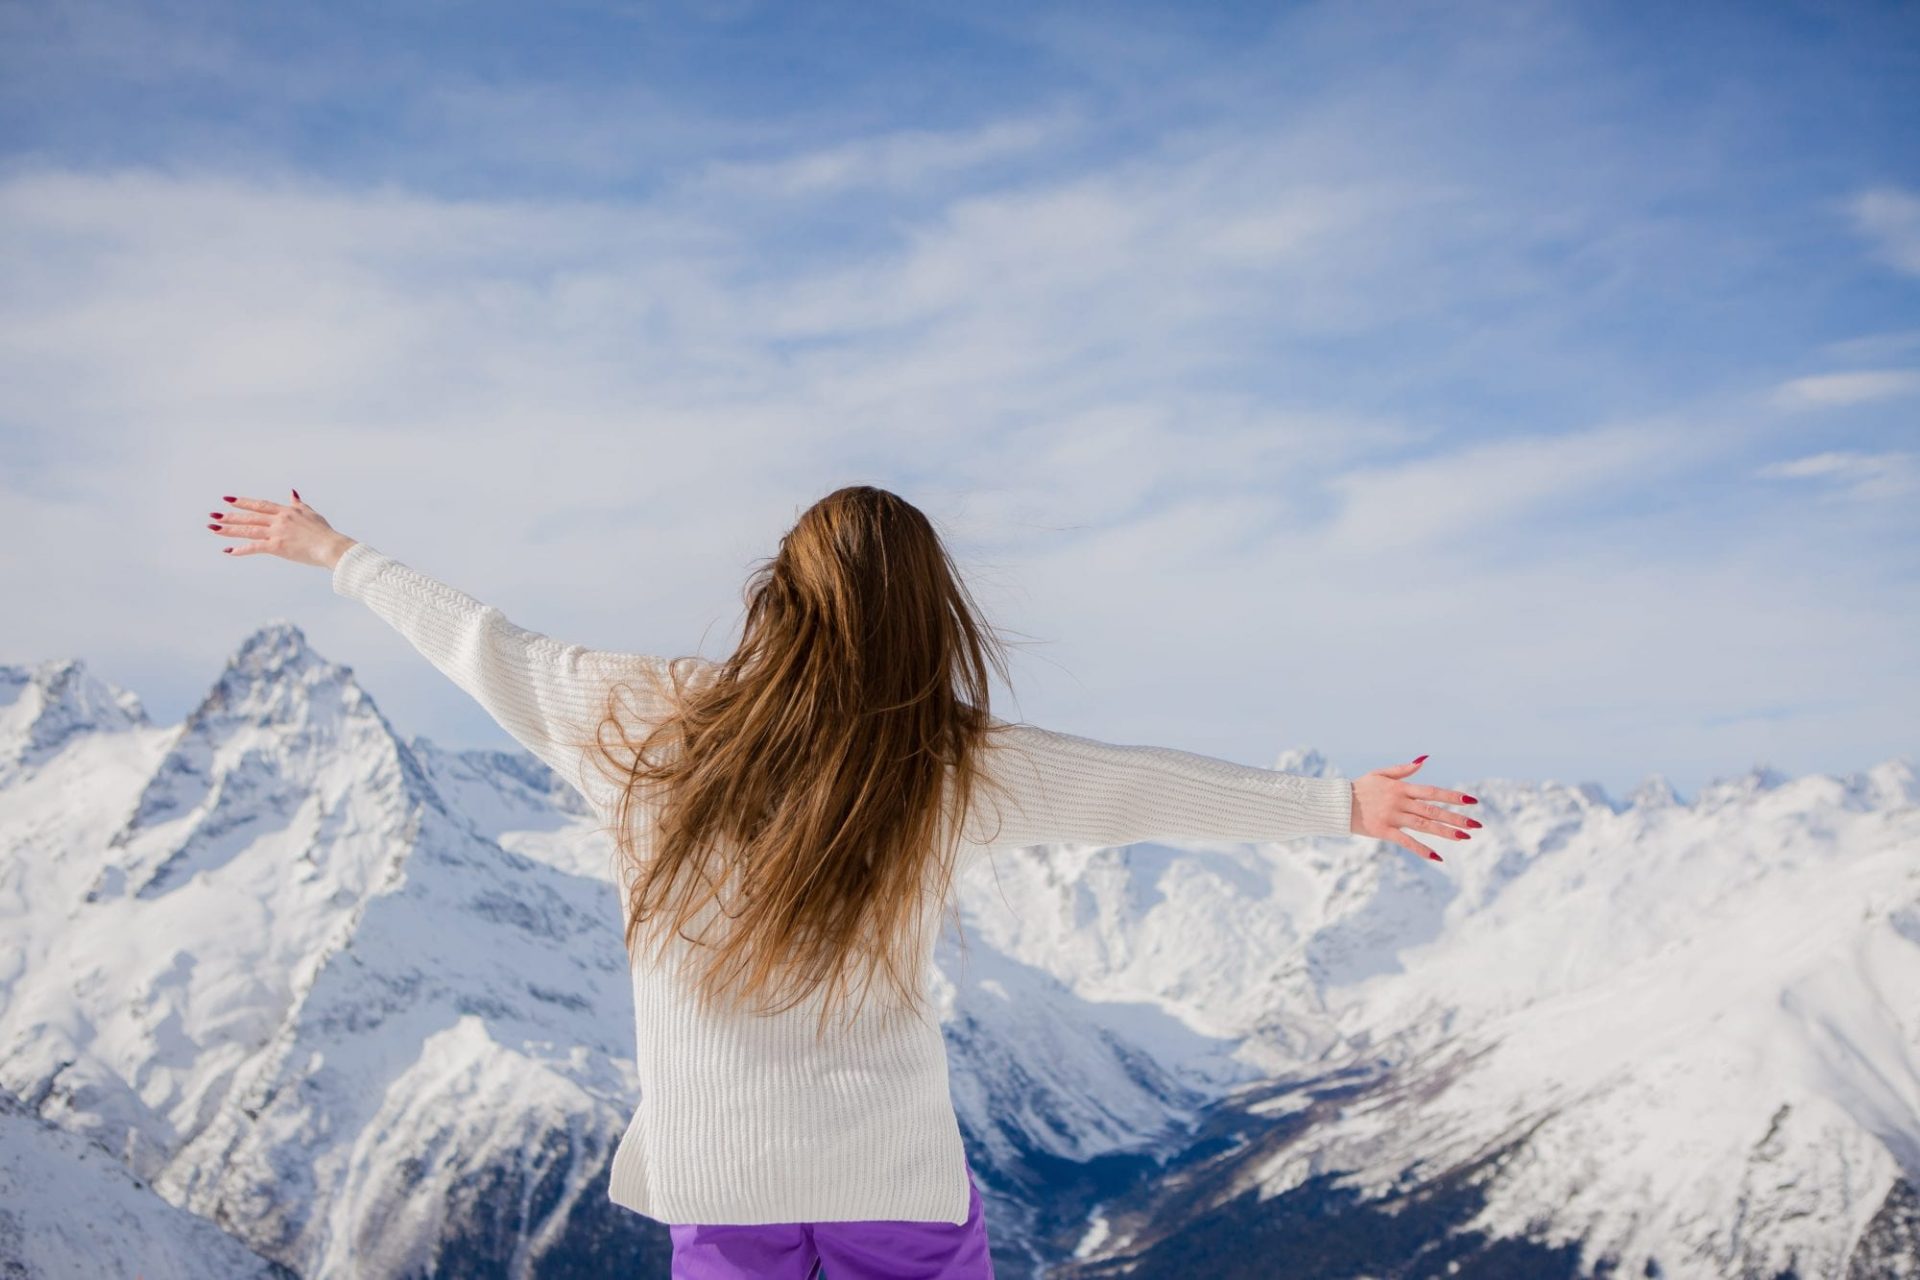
1530 385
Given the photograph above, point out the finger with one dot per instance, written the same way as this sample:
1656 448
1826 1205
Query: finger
259 504
1402 770
1437 814
1421 791
257 531
232 519
1433 828
1416 846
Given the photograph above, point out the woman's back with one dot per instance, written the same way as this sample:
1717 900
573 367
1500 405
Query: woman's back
756 1118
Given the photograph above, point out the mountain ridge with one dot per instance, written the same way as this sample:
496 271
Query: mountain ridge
299 972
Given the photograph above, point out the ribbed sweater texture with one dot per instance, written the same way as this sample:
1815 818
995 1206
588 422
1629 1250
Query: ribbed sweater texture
749 1118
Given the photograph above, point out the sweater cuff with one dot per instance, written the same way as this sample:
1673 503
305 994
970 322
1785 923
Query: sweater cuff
1330 805
354 570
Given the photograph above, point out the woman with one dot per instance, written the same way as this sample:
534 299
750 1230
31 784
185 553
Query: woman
819 789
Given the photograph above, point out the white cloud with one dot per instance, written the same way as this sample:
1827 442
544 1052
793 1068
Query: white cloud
1490 482
1852 476
1836 390
1874 346
1890 218
896 160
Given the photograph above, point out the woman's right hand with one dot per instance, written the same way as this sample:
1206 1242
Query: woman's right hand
1383 804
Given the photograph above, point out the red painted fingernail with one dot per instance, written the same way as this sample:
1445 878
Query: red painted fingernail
1461 835
216 515
1472 823
1418 759
228 498
1468 800
296 495
1436 857
226 548
213 526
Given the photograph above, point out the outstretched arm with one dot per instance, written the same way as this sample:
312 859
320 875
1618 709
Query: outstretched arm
1064 787
1059 787
548 695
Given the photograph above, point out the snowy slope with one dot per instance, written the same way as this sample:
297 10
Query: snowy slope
70 1211
1699 1021
363 1003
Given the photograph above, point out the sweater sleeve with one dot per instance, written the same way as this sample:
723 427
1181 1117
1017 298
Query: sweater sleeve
1060 788
548 695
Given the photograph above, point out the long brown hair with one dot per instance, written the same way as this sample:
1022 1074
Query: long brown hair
827 766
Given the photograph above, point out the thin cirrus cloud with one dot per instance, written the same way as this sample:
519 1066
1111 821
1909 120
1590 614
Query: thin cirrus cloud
1329 363
1496 483
1853 477
1855 386
1889 217
897 160
1873 346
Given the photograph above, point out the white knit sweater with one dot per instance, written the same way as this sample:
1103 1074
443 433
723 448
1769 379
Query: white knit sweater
748 1119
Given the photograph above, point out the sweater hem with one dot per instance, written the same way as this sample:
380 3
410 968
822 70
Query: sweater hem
811 1197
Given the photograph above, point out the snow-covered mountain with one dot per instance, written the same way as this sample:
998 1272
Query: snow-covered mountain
71 1211
276 959
1646 1037
360 1003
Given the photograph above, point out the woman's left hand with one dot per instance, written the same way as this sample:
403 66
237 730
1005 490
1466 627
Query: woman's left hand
293 531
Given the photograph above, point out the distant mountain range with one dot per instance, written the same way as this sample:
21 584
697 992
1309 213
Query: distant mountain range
286 993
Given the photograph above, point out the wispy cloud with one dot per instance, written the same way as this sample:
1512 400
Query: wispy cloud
1491 484
1890 219
898 160
1853 477
1874 346
1856 386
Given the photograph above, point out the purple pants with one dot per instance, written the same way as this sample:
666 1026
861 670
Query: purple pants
878 1249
